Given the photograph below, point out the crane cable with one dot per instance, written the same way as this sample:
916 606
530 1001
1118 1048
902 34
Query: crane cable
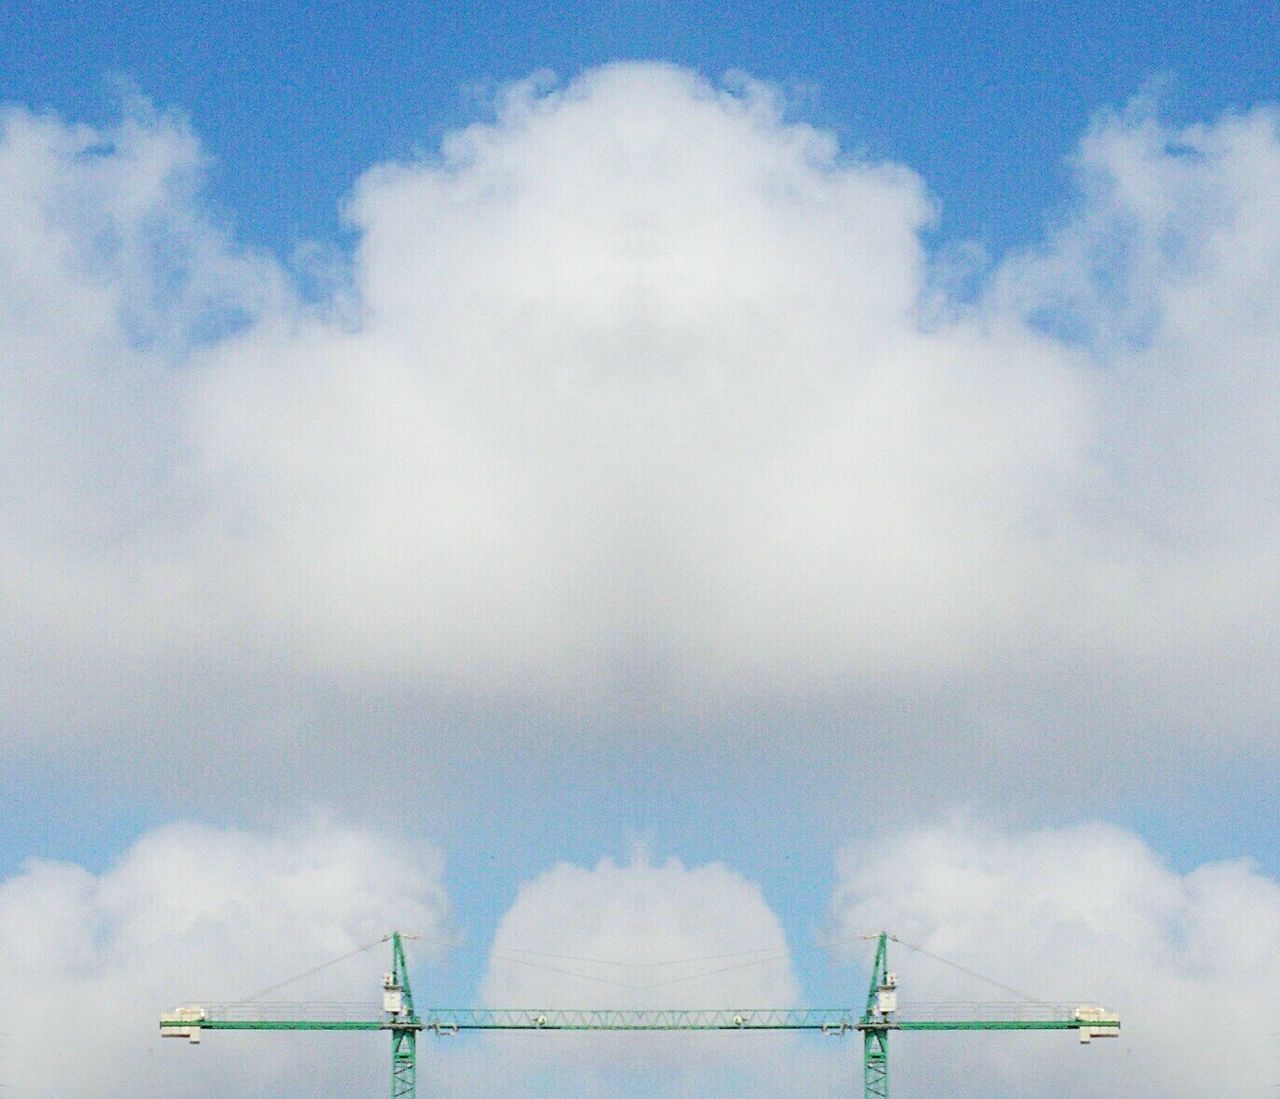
641 965
309 972
771 957
1026 997
774 957
507 955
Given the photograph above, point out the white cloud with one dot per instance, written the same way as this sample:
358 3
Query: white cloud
89 961
1084 913
639 416
638 935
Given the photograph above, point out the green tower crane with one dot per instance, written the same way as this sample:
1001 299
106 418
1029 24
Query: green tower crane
880 1016
399 1018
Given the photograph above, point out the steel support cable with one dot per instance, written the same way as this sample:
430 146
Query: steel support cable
309 972
641 965
778 957
972 973
610 961
775 957
562 972
504 956
1023 996
507 952
771 957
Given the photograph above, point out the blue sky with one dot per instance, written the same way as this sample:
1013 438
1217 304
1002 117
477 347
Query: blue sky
830 448
294 101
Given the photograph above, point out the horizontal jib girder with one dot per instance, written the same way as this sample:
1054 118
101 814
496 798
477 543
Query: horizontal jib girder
452 1019
982 1024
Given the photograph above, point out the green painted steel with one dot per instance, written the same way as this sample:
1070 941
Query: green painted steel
450 1020
404 1027
875 1028
275 1024
988 1024
404 1064
875 1064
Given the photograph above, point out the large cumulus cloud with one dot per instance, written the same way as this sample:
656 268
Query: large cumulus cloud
641 935
1086 913
639 412
191 913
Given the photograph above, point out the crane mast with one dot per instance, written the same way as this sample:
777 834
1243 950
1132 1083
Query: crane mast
397 1003
882 1002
